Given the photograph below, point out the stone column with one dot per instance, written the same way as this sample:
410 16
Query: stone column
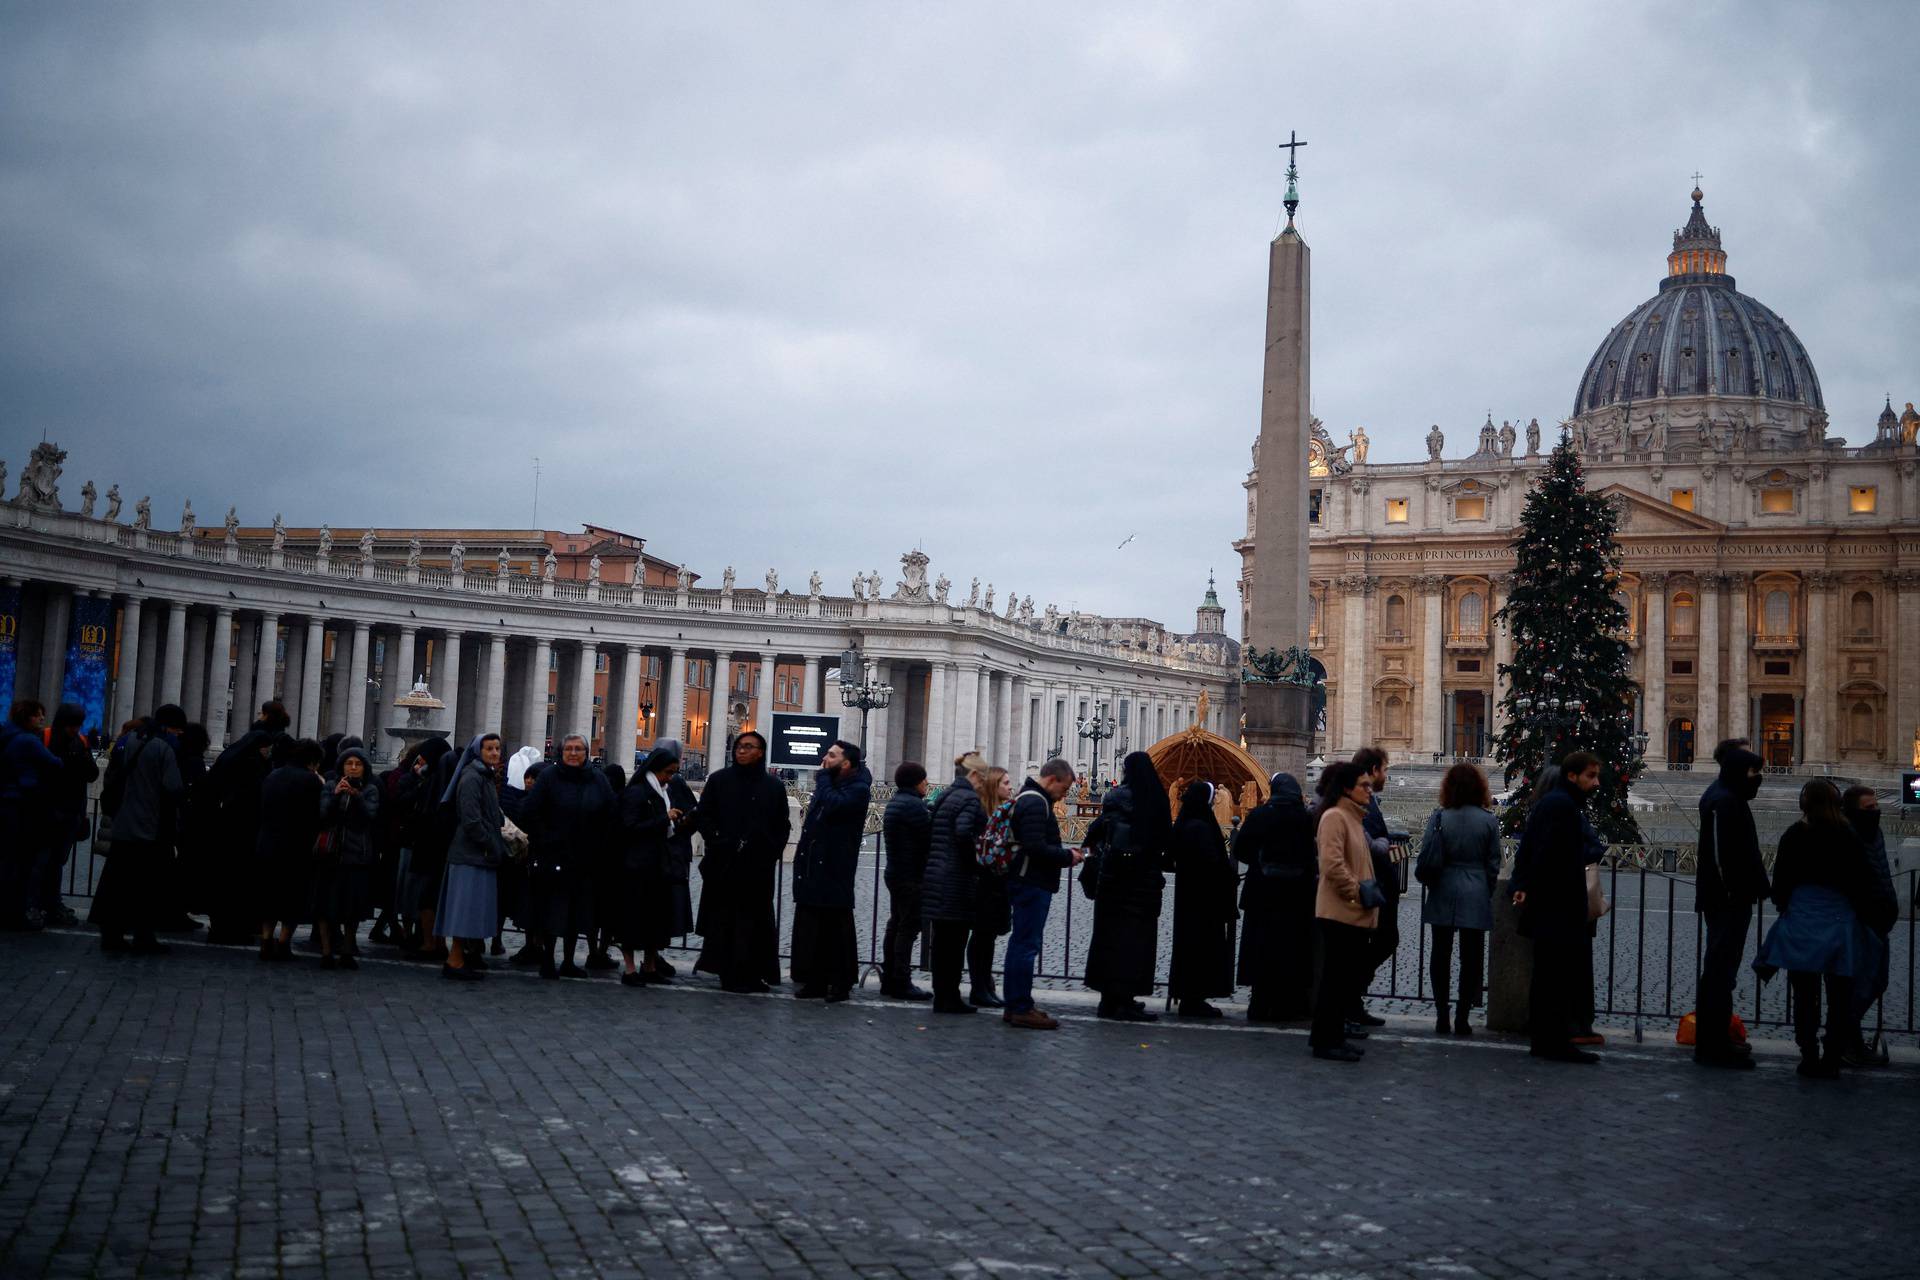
356 690
966 708
676 723
879 729
310 672
193 690
939 758
494 711
266 672
1906 658
1356 588
293 677
1003 735
1817 733
621 752
219 671
1739 658
56 632
582 717
244 678
538 690
1706 720
764 721
397 676
445 681
1502 657
127 691
173 665
1653 668
1433 643
810 696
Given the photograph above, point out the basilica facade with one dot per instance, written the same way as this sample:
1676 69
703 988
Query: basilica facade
1771 568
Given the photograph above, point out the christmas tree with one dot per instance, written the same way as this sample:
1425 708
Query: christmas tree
1567 686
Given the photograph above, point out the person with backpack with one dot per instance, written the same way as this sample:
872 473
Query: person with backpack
142 795
1033 878
1276 845
1459 864
826 952
949 896
1135 825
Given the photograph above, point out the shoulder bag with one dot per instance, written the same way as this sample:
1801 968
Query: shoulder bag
1433 852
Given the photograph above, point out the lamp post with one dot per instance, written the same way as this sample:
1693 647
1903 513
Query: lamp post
859 688
1096 728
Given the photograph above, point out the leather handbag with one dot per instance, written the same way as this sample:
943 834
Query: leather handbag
1433 853
1597 903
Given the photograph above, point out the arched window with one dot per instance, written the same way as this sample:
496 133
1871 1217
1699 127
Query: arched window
1777 617
1473 614
1396 616
1396 717
1861 613
1684 622
1313 616
1860 720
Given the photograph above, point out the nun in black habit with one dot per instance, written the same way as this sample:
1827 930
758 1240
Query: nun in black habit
1134 828
643 908
1203 909
1277 847
743 823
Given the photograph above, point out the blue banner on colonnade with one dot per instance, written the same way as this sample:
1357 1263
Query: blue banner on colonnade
9 642
89 652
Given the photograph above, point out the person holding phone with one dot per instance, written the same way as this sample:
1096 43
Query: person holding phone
344 857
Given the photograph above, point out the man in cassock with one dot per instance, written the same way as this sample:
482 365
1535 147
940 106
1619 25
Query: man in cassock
1550 893
744 823
826 953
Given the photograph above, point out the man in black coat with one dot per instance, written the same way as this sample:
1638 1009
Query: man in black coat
907 831
1862 808
744 823
826 953
1550 892
1038 860
1730 879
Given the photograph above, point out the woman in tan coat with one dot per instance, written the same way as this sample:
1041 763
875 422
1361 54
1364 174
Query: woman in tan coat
1346 908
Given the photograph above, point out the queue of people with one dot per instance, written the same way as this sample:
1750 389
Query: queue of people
441 850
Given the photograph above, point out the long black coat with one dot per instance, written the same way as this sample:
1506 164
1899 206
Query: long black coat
1276 844
908 828
828 854
571 815
1550 866
283 850
1123 953
1731 868
951 888
232 789
641 914
744 822
1203 911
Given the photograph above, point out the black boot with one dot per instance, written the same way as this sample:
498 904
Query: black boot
1441 1026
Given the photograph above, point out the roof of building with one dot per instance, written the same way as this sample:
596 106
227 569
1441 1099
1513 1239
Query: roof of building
1698 336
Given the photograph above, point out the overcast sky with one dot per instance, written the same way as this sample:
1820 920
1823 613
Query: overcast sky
805 285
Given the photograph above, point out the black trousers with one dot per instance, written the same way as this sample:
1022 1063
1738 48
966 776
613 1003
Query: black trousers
949 954
1843 1029
980 958
1720 954
1343 974
1473 955
903 930
1553 1000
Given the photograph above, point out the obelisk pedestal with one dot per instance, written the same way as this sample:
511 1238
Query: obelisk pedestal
1279 728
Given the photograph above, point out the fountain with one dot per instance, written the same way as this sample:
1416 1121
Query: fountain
421 707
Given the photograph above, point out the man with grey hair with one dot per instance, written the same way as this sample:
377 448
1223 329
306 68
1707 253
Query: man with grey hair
1031 883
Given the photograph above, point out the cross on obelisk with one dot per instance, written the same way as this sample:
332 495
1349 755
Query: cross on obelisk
1292 147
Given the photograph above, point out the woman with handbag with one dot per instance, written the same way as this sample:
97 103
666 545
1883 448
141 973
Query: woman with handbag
1459 864
469 905
343 868
1276 934
1345 908
1137 825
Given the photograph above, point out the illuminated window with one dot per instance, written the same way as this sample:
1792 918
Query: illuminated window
1313 507
1863 499
1396 510
1681 498
1683 622
1472 614
1776 501
1469 508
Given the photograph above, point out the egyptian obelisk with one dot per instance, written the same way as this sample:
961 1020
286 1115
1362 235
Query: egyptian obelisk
1278 716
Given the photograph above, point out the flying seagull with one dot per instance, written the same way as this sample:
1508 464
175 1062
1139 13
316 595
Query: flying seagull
1130 538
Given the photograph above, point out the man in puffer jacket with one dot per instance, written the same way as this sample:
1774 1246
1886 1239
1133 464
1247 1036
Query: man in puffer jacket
1037 862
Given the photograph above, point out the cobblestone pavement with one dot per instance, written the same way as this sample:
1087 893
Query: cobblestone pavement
204 1114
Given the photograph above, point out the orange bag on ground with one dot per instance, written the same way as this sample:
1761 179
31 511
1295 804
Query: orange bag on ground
1689 1030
